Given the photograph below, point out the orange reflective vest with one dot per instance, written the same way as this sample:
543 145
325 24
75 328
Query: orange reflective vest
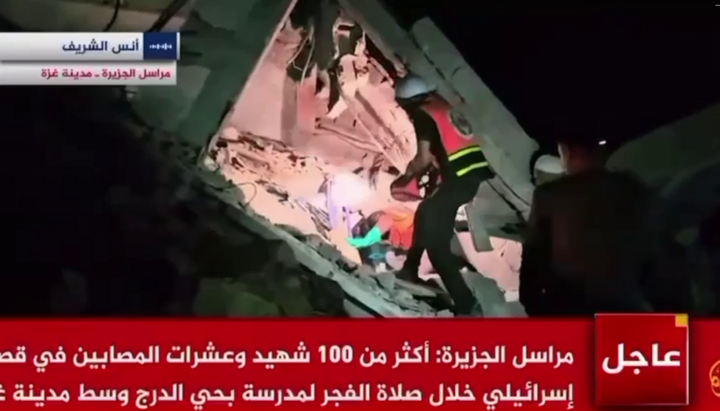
464 153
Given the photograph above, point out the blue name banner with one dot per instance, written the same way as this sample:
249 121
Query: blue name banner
67 47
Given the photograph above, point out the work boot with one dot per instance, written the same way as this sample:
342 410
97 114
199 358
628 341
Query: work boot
413 277
414 280
409 275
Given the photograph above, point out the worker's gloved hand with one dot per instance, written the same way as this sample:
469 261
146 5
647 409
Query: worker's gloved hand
373 236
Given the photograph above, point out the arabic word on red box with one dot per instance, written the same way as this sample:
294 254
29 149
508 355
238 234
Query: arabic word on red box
641 360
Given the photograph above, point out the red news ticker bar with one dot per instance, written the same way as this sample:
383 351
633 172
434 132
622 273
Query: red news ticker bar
353 364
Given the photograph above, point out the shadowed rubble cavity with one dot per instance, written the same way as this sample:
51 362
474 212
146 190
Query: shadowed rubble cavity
100 223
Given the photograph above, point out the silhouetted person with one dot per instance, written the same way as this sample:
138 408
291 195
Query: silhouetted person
591 244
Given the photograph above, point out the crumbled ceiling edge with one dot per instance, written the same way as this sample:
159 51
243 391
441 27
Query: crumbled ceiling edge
676 147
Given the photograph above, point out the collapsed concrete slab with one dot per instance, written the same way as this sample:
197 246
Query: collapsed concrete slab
222 55
332 129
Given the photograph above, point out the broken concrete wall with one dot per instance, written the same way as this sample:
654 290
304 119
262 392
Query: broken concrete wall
307 112
222 45
259 109
395 43
158 229
681 160
132 228
269 103
672 149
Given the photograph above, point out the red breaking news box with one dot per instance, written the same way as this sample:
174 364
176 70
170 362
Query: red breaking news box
642 360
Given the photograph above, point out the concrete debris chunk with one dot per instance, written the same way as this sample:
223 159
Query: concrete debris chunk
488 294
417 289
445 314
366 274
386 281
327 295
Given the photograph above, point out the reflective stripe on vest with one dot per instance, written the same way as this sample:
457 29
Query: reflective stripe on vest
458 145
462 153
468 169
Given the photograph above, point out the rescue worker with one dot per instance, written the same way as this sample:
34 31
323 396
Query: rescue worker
590 245
443 135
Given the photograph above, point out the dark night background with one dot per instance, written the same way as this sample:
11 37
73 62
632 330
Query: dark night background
591 70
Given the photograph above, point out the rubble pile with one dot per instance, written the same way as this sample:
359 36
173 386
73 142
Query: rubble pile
288 189
130 228
325 159
143 225
165 236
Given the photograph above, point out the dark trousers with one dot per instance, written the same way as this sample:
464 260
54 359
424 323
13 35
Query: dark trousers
433 232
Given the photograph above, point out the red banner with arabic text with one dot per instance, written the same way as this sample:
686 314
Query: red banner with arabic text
357 364
642 360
